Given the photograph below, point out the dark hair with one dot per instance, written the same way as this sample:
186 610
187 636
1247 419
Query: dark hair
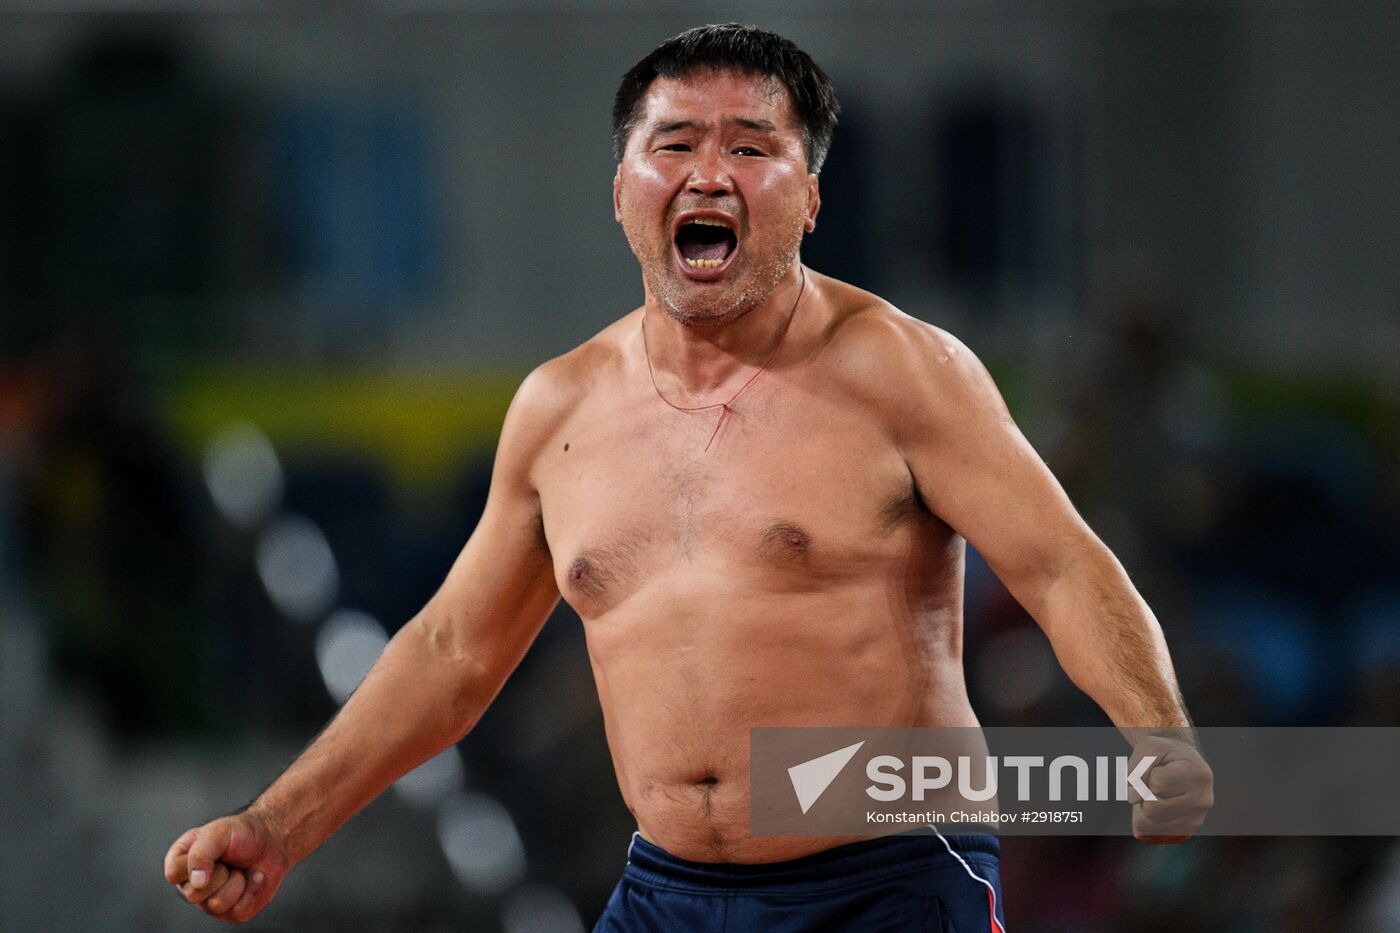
740 48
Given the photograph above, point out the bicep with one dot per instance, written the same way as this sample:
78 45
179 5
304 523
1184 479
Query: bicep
977 472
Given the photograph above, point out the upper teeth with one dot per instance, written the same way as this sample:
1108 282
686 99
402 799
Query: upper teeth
707 222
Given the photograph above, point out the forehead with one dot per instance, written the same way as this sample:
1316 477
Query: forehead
709 96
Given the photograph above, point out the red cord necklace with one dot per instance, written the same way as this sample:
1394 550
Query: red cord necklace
723 406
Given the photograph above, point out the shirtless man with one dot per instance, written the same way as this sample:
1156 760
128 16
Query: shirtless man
755 490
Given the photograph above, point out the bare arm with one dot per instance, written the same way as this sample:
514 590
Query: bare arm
439 673
427 690
978 473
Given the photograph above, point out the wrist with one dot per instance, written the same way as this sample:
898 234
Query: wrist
276 829
1178 735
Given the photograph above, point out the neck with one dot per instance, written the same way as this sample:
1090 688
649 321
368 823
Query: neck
702 359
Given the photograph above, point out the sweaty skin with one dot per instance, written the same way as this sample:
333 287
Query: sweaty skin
804 570
793 575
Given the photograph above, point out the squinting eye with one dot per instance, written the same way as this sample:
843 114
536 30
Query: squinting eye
676 147
747 151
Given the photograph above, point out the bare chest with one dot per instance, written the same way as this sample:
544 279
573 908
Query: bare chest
792 488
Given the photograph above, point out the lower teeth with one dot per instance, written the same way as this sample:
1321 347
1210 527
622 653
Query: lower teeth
705 263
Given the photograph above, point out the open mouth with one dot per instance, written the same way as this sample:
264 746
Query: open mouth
706 242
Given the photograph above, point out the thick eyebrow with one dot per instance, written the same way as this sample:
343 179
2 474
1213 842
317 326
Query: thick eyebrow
761 126
672 126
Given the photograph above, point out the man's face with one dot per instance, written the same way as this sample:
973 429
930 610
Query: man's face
714 194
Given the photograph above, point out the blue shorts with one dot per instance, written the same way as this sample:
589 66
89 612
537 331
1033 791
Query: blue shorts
911 883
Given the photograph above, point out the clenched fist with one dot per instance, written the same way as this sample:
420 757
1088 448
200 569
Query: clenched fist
1183 784
229 868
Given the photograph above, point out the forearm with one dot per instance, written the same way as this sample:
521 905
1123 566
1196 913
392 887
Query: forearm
1108 641
416 700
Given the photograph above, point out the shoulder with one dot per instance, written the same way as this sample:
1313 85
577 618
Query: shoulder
555 389
907 370
556 386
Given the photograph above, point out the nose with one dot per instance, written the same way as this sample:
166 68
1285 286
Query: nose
710 175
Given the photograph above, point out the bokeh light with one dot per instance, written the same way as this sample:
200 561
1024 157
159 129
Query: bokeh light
481 843
433 782
243 475
539 908
347 645
297 568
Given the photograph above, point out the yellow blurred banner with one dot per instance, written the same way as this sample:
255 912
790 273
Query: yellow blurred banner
421 426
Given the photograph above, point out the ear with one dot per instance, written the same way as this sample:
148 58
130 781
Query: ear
617 194
814 202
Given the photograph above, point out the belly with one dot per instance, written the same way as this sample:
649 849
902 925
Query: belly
695 659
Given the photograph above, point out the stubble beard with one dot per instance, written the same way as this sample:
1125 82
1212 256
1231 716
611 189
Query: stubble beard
678 301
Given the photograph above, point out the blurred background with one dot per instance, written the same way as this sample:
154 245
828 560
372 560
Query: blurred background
269 278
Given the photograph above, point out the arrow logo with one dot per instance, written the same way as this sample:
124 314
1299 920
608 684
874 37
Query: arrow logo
811 778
